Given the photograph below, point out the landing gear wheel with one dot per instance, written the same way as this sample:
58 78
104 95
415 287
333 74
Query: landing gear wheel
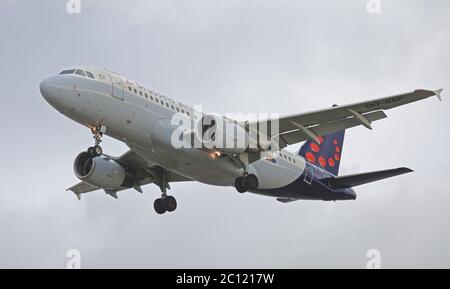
159 207
239 184
97 150
90 151
251 182
170 203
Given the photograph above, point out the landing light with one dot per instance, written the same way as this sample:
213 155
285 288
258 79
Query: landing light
215 155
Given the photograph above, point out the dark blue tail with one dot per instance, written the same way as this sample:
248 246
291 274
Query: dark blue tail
327 154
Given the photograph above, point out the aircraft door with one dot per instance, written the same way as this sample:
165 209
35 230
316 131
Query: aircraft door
117 86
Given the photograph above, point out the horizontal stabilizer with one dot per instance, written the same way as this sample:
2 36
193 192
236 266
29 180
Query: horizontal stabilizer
364 178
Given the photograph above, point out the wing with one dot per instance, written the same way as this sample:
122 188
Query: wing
145 173
306 126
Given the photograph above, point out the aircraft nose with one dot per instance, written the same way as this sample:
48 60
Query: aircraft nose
47 89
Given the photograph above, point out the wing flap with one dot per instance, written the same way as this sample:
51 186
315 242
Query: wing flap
364 178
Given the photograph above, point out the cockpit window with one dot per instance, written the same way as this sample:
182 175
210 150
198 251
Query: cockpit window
80 72
90 75
69 71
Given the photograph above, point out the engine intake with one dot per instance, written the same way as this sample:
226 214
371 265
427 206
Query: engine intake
101 172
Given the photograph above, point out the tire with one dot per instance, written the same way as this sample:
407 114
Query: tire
159 207
239 184
251 182
170 204
97 150
90 151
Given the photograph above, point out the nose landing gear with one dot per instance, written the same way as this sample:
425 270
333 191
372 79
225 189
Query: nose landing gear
97 130
95 151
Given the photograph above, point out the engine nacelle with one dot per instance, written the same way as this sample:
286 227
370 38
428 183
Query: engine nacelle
222 134
101 172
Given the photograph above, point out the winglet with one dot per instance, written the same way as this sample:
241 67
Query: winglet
438 93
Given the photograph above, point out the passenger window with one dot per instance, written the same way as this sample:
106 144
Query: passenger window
80 72
69 71
129 88
140 92
90 75
167 104
157 100
135 90
173 108
178 109
151 97
146 96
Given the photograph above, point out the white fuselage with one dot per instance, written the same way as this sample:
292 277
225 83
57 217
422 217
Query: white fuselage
141 118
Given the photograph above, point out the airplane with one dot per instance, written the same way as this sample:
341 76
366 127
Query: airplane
108 103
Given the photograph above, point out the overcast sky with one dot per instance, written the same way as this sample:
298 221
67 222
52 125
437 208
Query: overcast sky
230 56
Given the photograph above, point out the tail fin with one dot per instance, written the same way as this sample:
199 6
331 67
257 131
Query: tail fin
327 154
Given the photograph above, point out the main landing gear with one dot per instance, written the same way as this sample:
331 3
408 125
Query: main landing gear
246 182
166 203
97 130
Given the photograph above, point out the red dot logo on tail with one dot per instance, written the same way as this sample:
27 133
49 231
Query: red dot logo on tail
314 147
322 161
310 157
337 157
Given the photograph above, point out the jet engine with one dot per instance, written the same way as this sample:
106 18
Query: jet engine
101 172
224 135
